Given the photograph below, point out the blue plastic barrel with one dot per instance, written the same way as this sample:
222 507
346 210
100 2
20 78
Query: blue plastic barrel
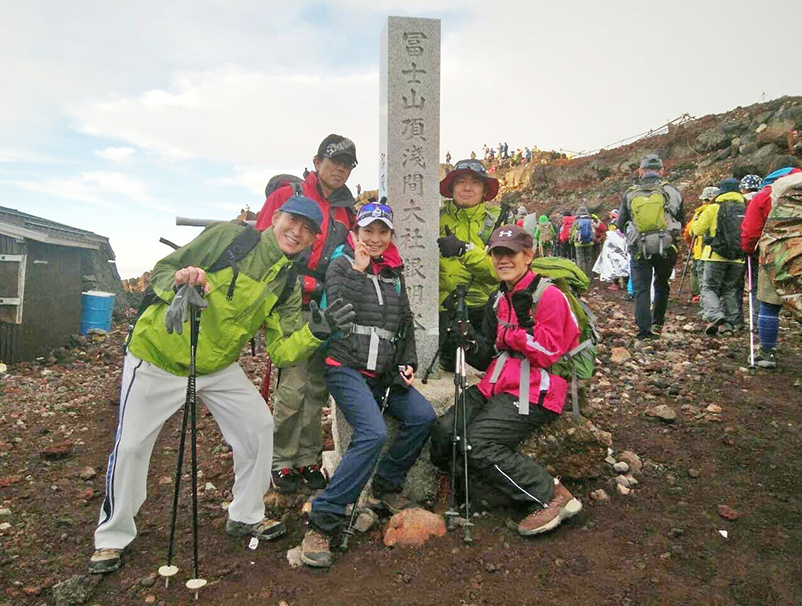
96 308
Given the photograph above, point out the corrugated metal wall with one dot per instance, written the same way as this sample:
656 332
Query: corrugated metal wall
52 305
9 333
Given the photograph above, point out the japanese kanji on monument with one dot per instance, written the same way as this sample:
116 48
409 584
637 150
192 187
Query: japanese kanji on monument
409 147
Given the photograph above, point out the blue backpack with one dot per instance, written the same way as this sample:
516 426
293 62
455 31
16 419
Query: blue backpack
584 231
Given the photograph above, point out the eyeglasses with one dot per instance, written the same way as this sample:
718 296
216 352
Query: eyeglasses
342 161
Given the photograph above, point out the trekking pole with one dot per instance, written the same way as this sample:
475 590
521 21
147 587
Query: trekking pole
195 583
349 530
751 317
685 269
461 377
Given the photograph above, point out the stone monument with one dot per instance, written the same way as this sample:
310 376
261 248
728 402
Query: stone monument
409 149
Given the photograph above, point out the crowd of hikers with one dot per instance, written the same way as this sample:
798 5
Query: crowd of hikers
326 282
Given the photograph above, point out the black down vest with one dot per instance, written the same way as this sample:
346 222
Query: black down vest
389 314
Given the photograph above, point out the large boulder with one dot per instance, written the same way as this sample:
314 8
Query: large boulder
568 447
712 139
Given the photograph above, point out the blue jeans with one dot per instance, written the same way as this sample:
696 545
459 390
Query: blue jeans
643 269
359 398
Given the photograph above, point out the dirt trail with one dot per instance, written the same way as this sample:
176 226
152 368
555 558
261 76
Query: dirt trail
660 545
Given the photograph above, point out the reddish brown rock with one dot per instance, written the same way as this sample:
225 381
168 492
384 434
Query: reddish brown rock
87 494
728 513
9 480
413 527
59 450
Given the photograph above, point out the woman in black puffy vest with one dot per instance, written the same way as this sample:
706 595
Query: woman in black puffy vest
374 361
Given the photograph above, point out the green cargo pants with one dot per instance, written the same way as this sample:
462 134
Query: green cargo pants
301 394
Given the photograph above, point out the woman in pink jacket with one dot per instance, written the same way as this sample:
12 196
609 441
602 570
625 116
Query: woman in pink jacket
529 327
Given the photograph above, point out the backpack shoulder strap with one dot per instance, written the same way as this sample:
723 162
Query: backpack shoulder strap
489 225
239 248
243 244
289 285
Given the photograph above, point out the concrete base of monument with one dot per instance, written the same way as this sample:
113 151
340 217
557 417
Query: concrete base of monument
568 448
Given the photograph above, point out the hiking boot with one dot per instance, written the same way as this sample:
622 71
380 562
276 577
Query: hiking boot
265 530
562 506
657 329
313 477
105 560
286 481
765 359
393 502
712 328
315 550
643 336
696 299
727 328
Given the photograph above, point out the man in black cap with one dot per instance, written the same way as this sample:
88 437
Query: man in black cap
466 223
301 389
653 215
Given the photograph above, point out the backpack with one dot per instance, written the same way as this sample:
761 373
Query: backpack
546 234
781 243
654 220
727 241
239 248
565 228
580 362
584 230
278 181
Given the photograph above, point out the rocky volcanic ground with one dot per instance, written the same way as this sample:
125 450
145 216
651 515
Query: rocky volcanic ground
703 506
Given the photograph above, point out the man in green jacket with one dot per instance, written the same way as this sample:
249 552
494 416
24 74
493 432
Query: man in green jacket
156 366
466 223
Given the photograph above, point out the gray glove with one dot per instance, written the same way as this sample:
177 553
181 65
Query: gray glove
178 312
337 316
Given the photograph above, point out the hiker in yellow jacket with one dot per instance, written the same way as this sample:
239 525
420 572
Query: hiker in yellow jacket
466 223
723 272
695 243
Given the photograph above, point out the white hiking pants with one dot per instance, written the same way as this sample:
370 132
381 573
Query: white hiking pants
149 396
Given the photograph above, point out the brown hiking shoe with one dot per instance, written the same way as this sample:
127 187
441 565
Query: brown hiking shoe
562 506
315 550
394 502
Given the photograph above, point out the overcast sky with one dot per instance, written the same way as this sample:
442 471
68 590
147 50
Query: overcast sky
117 116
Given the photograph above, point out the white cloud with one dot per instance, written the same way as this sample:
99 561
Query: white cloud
93 187
115 154
13 155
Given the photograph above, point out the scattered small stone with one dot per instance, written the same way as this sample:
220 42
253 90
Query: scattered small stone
164 480
675 533
610 460
87 473
714 408
87 494
631 479
148 581
665 556
619 355
622 489
728 513
366 520
209 487
294 557
662 412
633 460
621 467
5 511
622 481
599 495
490 567
5 526
151 599
694 473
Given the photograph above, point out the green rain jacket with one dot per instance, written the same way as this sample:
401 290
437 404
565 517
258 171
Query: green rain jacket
226 325
474 226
